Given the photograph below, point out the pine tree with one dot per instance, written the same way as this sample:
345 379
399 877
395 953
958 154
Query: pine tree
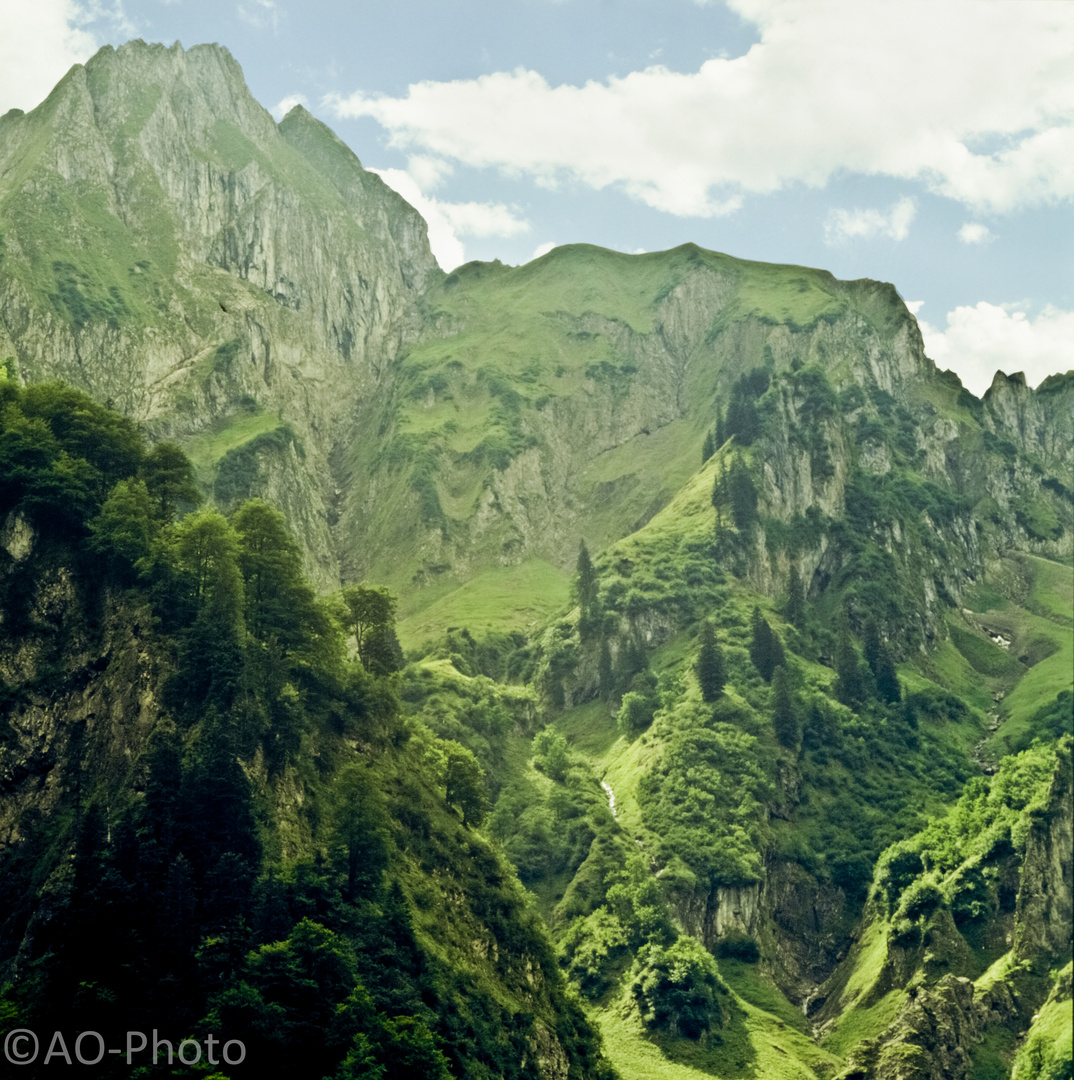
887 680
710 669
743 495
850 686
221 798
586 581
587 588
766 650
881 665
784 713
795 610
630 661
708 448
279 603
870 642
719 496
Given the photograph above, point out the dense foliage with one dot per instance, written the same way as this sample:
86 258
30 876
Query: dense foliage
316 935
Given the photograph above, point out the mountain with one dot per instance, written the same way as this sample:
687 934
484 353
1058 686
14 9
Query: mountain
163 249
843 848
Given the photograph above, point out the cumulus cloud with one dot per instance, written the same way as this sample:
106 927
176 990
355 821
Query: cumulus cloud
286 104
981 340
973 232
448 222
260 14
40 42
974 100
428 172
845 225
542 249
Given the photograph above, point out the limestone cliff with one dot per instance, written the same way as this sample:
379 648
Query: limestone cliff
165 249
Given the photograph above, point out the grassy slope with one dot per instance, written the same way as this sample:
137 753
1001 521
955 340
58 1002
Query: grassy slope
497 600
208 447
974 669
1044 625
505 348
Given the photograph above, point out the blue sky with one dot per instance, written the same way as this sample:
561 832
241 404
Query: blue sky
930 145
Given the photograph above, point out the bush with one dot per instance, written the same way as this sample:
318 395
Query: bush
922 898
739 946
677 989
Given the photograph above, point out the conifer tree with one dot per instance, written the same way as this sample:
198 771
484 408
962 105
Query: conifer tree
881 665
630 661
359 830
766 650
710 669
743 496
784 713
708 448
279 603
210 650
586 587
850 686
795 610
221 802
870 643
586 581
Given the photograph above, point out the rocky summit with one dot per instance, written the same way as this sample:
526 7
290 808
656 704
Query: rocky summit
640 665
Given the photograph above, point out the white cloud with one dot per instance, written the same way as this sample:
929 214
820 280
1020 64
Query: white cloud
869 87
286 104
428 172
914 306
39 43
449 222
973 232
981 340
542 249
843 225
260 14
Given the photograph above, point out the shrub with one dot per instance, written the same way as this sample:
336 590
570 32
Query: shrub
739 946
677 989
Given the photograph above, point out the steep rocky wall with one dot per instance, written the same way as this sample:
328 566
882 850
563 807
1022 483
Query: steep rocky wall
190 275
82 683
944 1016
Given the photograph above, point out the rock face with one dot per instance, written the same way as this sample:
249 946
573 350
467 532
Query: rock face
944 1018
87 678
1039 421
165 249
1045 911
